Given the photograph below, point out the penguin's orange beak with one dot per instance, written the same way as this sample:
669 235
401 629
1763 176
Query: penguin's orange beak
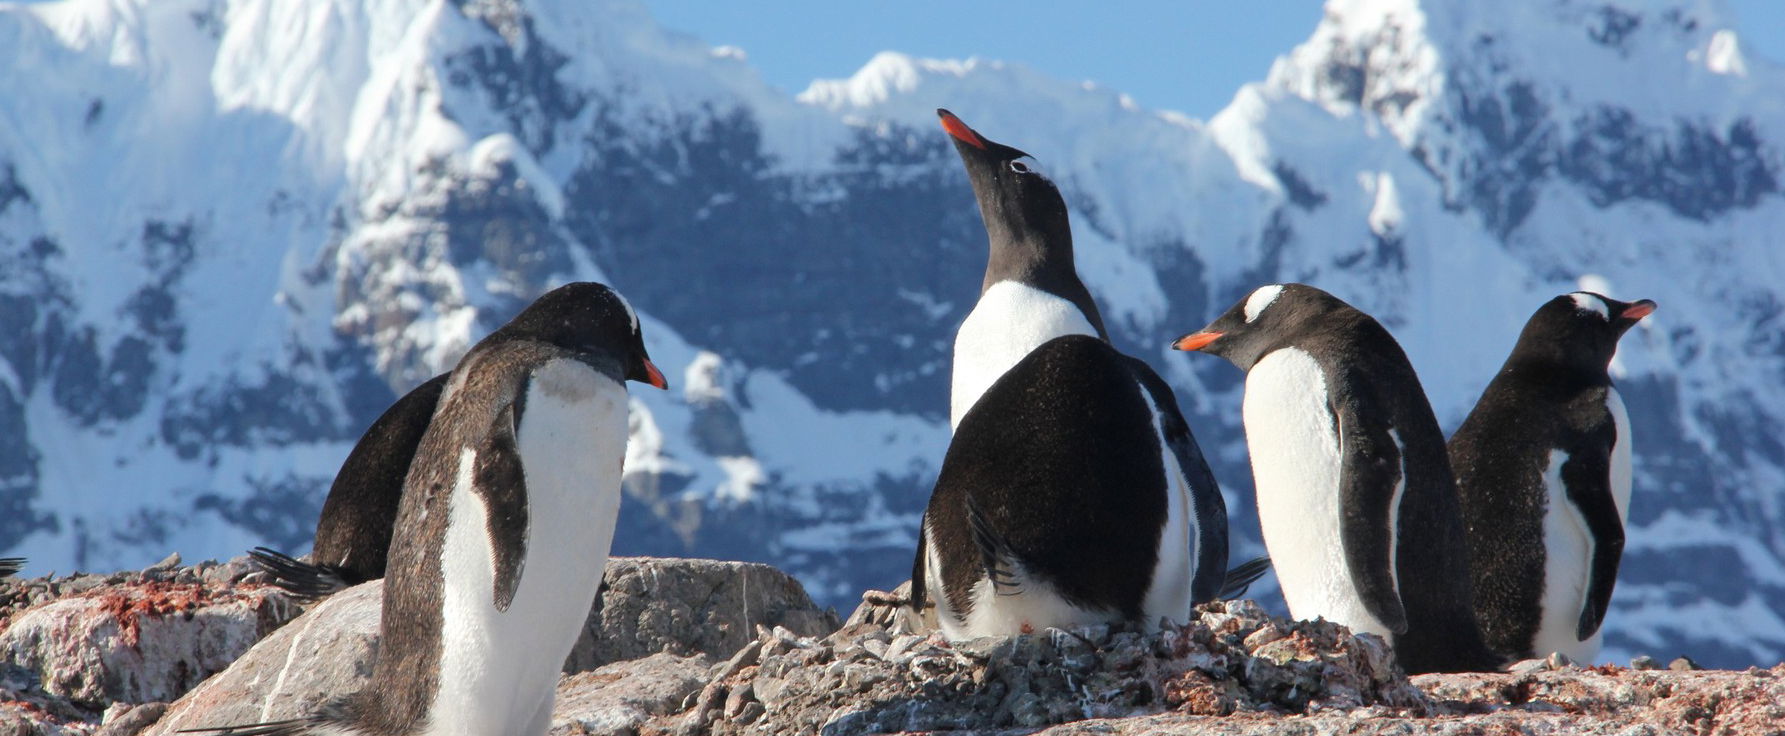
1196 340
959 130
654 376
1638 310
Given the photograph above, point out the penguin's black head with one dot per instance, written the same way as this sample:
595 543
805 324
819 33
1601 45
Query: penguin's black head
588 319
1580 329
1019 204
1271 317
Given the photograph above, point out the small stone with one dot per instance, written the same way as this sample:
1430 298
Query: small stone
1558 660
1528 666
1644 662
1683 664
167 563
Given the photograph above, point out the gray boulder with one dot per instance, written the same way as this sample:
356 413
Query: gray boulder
327 652
689 606
619 699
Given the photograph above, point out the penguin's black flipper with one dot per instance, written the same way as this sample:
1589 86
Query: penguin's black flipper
1209 508
1242 576
917 568
294 727
1369 473
1587 475
994 552
301 579
10 565
499 480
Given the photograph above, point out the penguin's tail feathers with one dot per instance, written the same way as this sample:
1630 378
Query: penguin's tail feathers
294 727
1242 576
994 553
301 579
10 565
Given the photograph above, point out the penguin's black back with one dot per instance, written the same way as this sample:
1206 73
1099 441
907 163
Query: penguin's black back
1061 458
353 536
1371 380
1539 402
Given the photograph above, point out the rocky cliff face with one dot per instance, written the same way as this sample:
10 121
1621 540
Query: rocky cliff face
225 247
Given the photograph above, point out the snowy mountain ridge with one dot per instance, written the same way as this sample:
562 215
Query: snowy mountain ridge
231 231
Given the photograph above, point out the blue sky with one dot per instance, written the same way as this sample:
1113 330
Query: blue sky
1185 55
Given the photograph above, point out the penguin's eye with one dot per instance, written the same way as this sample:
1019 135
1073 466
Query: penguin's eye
1026 166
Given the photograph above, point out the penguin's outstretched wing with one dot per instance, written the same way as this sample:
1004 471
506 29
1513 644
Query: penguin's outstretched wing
1242 576
301 579
1587 476
1205 494
1370 478
502 485
10 565
994 553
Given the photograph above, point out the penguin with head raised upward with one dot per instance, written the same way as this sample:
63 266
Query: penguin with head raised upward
1031 292
1072 493
1355 494
1543 472
504 527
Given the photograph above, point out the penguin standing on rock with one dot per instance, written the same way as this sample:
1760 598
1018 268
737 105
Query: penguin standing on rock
1355 494
1073 493
504 527
1543 472
1031 292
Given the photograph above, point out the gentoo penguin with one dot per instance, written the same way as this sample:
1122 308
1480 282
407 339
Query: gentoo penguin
353 535
1543 472
1031 293
504 527
1355 493
1072 493
10 565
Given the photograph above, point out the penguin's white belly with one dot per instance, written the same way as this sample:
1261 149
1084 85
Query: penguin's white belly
1567 567
500 669
1010 320
1034 607
1620 453
1180 541
1295 467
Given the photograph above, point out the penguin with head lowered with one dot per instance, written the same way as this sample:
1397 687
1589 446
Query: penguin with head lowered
1543 473
1355 494
504 527
1072 493
353 535
1031 292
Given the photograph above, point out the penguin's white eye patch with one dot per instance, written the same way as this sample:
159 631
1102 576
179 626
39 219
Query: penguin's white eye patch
1261 298
1589 303
1027 165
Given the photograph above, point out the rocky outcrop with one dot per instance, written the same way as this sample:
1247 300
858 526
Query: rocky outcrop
704 648
89 650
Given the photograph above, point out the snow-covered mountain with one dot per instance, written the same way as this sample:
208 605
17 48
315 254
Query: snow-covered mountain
230 232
